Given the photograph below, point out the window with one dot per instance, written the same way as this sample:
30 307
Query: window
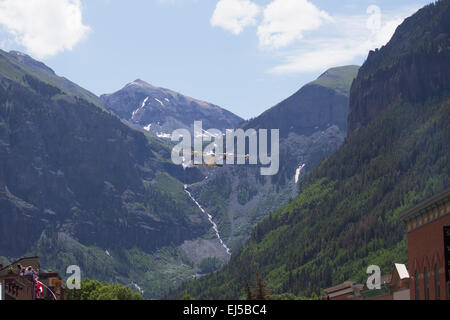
427 289
436 283
416 285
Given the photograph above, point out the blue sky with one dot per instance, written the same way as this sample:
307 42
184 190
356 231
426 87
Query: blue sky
243 55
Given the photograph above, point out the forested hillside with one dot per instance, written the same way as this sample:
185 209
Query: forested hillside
347 214
312 123
77 186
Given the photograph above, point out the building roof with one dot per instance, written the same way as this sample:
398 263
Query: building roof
347 291
19 261
25 262
339 287
402 271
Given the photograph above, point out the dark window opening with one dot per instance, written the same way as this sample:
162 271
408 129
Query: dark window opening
416 285
448 290
436 281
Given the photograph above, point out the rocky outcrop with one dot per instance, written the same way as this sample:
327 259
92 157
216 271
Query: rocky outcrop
393 72
315 107
161 111
312 124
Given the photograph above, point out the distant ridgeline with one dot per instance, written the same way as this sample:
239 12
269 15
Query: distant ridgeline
77 186
347 214
312 124
160 111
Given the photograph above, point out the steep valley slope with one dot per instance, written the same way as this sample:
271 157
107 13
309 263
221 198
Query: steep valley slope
396 154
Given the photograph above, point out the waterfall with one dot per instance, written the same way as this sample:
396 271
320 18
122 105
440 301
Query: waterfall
298 172
210 218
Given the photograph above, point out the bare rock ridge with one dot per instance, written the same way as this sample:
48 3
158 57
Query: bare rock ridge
413 66
160 111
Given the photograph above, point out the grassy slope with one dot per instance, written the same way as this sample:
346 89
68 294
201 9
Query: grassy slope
346 216
339 79
14 70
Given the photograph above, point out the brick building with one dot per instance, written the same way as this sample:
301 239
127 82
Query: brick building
14 286
428 228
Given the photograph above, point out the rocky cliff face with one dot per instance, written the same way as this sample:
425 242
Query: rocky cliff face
161 111
312 123
347 215
315 107
413 66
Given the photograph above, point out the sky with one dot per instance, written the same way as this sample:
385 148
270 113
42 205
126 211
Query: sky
243 55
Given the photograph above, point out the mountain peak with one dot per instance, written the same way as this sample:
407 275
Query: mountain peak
339 79
160 110
315 107
413 65
141 83
338 72
31 63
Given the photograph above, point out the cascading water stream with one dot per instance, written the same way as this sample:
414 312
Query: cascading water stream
214 225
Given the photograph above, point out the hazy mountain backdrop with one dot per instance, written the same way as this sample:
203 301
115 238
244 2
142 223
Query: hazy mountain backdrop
396 154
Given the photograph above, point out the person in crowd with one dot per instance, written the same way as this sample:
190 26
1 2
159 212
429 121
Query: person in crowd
29 271
20 269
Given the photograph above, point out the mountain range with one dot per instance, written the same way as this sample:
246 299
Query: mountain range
161 111
395 155
85 183
89 181
312 125
78 186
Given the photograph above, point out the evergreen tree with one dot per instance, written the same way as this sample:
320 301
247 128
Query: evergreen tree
260 292
248 291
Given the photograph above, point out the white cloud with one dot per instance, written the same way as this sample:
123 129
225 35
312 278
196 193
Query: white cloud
235 15
341 42
44 27
321 55
306 38
285 21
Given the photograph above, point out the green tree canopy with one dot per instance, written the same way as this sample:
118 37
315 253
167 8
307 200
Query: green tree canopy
96 290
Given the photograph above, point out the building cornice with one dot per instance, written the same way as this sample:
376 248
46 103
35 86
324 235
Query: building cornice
428 211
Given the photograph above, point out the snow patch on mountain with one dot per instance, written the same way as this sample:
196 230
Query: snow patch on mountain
164 135
142 106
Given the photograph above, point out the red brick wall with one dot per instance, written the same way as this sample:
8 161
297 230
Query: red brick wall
426 250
